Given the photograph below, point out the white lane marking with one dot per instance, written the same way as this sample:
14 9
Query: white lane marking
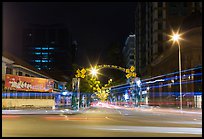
178 130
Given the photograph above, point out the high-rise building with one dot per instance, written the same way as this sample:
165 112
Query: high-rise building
48 47
129 51
153 23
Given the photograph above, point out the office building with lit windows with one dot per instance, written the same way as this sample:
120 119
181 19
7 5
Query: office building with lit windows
48 47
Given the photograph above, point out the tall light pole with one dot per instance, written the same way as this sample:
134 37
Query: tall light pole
175 37
78 92
80 74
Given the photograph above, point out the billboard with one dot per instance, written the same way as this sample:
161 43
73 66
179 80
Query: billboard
23 83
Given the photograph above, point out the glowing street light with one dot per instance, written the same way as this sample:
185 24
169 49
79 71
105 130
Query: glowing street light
94 72
175 37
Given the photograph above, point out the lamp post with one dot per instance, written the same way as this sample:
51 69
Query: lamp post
80 74
175 37
78 92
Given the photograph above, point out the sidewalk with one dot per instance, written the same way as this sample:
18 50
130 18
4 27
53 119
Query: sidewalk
45 112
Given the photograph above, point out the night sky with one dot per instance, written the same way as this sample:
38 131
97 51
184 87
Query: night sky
93 25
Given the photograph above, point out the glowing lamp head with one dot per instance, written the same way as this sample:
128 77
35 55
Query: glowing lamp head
176 37
94 72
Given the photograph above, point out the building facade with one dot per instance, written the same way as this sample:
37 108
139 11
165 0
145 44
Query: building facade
12 99
157 59
153 23
11 67
191 66
129 52
48 47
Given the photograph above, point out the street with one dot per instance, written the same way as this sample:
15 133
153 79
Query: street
104 122
106 69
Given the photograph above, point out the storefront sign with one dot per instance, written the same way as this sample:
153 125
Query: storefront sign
23 83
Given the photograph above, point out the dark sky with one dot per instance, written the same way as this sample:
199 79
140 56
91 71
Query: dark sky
93 25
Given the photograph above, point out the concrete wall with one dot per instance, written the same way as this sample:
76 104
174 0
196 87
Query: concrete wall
34 102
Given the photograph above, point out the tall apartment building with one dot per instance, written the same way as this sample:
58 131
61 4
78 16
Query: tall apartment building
48 47
153 23
129 51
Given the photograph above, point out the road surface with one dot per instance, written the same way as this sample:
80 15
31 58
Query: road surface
104 122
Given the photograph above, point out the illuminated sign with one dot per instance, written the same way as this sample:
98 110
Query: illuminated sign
22 83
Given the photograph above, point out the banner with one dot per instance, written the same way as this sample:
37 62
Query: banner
23 83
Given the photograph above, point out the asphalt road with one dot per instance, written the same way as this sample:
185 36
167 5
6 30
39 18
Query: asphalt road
104 122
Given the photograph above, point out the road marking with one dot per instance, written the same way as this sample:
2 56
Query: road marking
150 129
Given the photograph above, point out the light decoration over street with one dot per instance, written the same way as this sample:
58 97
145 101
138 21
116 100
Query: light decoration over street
130 72
103 91
81 73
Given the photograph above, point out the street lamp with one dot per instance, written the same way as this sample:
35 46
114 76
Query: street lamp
175 37
94 72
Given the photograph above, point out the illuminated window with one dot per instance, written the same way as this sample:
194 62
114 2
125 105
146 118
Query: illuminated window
37 48
44 48
51 48
44 60
37 60
45 53
37 53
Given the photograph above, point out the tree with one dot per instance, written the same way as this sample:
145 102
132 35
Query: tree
102 92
